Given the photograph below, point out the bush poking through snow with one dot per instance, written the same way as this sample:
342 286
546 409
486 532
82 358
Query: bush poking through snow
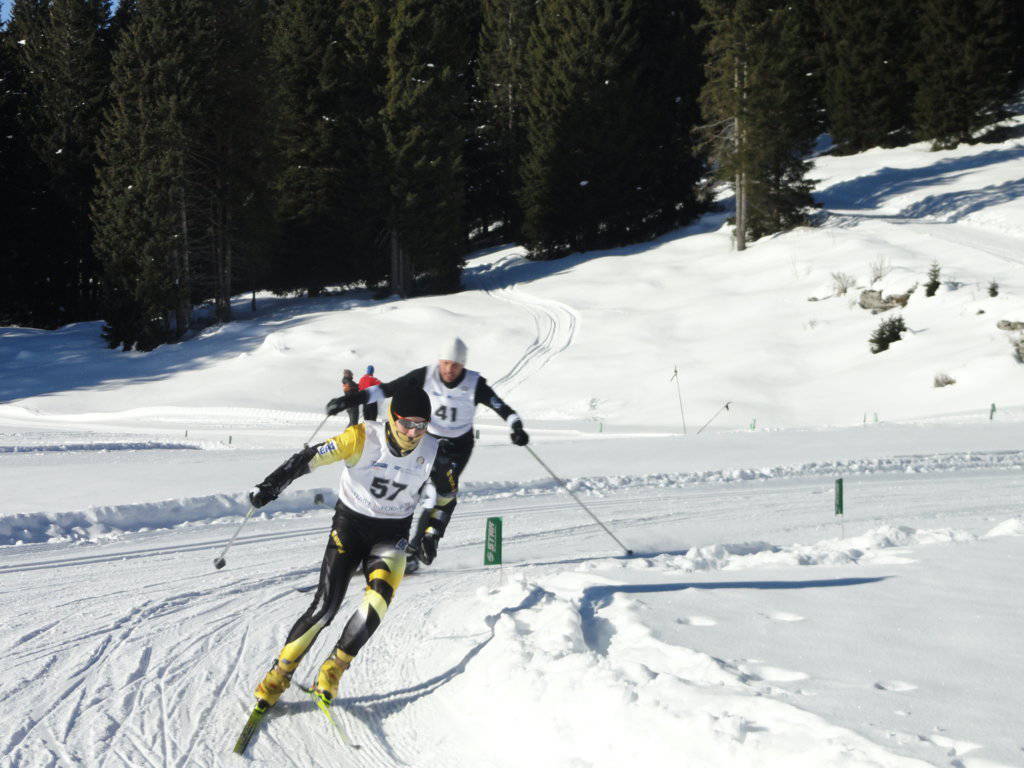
880 269
890 330
1018 349
842 282
943 380
933 280
993 288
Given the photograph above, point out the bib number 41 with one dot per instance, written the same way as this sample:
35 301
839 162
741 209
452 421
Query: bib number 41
445 413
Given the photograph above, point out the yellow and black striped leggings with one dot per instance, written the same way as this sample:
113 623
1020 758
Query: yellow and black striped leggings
378 546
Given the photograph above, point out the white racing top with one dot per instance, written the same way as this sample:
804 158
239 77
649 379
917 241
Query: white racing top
451 409
383 485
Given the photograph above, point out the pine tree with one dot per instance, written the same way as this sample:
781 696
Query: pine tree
611 106
230 156
179 197
307 198
353 82
867 52
667 168
964 68
424 123
28 246
498 140
140 211
759 111
65 63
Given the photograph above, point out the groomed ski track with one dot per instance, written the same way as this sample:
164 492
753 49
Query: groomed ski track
140 654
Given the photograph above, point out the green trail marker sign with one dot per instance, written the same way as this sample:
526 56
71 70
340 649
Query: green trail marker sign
492 542
839 497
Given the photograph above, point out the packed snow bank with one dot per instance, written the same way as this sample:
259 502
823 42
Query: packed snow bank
592 686
97 523
867 547
106 521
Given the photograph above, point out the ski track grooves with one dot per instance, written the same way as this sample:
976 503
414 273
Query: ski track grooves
554 325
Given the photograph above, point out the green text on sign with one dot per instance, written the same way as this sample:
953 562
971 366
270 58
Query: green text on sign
492 542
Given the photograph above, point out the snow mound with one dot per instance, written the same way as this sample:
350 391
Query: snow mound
593 687
721 557
1011 527
105 522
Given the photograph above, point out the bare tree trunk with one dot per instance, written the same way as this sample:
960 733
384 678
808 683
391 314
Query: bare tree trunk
228 265
399 267
183 308
741 174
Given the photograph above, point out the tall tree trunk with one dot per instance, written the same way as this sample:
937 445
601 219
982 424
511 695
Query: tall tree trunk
399 267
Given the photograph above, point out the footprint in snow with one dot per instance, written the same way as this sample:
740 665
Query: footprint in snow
895 685
783 616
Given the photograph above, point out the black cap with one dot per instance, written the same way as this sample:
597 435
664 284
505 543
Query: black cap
411 402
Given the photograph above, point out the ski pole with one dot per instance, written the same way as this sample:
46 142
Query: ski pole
219 562
723 408
318 428
629 552
679 391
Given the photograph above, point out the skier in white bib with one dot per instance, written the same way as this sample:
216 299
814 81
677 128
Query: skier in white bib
454 393
389 469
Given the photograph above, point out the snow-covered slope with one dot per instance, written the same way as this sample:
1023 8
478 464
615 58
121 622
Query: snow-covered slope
752 628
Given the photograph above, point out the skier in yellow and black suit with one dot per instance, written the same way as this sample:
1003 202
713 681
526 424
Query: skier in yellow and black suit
388 470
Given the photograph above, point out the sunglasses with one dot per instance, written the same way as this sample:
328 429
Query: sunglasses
417 426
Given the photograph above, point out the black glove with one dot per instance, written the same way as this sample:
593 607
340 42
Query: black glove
519 436
428 546
341 404
263 494
271 487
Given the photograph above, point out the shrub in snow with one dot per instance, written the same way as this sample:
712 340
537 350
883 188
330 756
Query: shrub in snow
1018 349
880 269
993 288
1010 325
890 330
933 280
842 282
942 380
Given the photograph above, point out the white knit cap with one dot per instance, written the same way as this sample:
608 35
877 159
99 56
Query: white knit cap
454 350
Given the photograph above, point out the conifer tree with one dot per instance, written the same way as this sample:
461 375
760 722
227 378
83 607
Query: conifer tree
65 66
759 111
179 196
140 213
867 54
28 247
498 140
424 127
609 159
353 82
963 69
307 198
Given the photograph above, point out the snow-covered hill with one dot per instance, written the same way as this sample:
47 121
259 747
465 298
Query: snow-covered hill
752 628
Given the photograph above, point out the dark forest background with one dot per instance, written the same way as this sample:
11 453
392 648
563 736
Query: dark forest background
172 153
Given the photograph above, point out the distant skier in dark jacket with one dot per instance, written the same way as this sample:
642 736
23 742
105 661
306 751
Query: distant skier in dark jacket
454 393
349 387
365 382
389 469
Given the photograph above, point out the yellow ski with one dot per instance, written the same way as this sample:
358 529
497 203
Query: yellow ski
325 706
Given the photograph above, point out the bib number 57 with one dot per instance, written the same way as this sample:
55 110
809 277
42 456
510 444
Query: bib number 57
380 487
